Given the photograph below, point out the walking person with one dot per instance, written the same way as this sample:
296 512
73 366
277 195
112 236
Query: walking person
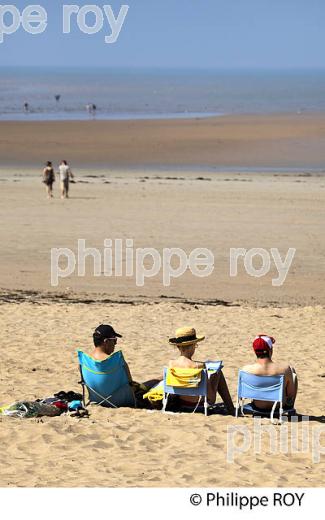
48 179
65 174
91 109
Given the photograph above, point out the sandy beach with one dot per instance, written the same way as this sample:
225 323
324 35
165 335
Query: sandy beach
138 448
176 206
238 141
166 210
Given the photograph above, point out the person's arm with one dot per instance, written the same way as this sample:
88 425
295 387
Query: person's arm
70 174
128 372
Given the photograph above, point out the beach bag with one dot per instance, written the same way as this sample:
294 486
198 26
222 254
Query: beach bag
27 409
155 394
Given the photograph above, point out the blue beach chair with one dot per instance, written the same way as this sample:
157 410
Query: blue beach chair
107 381
261 388
200 391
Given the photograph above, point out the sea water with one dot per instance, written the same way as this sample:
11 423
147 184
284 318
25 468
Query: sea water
153 94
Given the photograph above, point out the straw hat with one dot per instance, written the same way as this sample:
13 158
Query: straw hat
185 336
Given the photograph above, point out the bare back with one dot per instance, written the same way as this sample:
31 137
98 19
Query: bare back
183 362
269 368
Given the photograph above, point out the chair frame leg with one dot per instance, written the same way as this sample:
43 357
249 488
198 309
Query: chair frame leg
205 406
273 410
237 407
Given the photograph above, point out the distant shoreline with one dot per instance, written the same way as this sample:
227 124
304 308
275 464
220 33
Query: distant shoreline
48 117
83 116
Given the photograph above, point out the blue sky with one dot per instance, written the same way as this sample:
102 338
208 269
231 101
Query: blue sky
182 34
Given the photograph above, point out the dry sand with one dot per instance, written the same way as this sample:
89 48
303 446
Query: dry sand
220 212
138 448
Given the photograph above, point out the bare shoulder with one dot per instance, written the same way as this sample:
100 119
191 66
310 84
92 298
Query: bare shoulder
282 368
249 368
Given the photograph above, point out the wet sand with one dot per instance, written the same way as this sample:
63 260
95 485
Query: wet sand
259 141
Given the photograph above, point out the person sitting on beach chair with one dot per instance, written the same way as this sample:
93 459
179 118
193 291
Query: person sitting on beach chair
105 373
105 340
186 341
265 366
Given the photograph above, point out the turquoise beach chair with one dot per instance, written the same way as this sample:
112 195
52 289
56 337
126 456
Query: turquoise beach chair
200 391
107 381
261 388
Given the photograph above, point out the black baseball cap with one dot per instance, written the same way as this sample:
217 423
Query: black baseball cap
105 332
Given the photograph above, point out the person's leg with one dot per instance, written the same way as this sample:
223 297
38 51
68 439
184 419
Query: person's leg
290 401
62 190
66 188
213 384
218 383
140 389
151 383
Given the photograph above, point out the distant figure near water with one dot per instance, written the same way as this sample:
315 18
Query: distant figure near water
48 179
26 107
65 176
91 109
57 97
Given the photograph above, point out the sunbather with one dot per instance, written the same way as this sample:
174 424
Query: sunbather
105 340
265 366
186 341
